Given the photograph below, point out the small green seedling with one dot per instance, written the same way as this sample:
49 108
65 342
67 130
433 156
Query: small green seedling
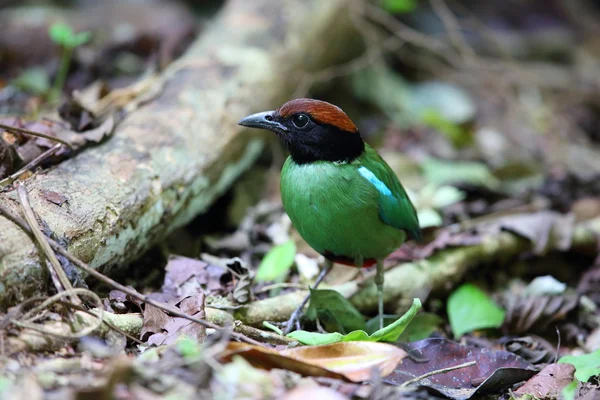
63 35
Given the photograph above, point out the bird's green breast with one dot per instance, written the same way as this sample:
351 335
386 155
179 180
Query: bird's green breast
352 209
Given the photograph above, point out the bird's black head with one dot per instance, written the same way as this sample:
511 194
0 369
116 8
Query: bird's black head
311 130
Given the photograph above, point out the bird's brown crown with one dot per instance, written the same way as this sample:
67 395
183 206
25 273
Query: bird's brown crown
322 112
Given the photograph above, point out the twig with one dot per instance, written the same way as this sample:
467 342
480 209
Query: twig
107 323
4 211
262 335
34 133
43 242
46 303
411 35
282 285
437 372
453 28
33 163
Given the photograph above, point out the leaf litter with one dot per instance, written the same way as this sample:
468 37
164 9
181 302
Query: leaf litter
472 188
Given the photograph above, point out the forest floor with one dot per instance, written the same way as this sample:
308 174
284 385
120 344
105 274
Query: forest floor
488 114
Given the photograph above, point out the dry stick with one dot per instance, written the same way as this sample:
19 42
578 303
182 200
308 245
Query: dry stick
453 28
411 35
73 293
109 324
437 372
33 163
43 242
34 133
4 211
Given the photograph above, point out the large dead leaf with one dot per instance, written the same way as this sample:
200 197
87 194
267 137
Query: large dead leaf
165 329
187 276
353 361
493 371
536 313
545 229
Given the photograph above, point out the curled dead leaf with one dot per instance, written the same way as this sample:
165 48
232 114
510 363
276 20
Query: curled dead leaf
352 361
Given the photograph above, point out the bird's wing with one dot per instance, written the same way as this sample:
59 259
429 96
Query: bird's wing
395 207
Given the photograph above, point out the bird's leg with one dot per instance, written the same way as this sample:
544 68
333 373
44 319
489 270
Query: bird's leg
298 311
379 284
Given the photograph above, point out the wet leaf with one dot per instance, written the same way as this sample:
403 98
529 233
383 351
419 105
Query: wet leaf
549 382
353 361
470 309
586 365
390 333
277 262
334 311
493 371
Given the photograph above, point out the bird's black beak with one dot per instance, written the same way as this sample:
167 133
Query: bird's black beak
263 120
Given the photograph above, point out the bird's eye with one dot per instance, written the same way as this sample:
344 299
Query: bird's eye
300 120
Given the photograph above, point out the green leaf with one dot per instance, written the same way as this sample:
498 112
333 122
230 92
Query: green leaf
63 35
272 327
469 309
421 327
315 338
388 334
443 172
454 132
446 195
188 348
399 6
569 391
277 262
586 365
334 311
429 217
80 38
33 80
392 332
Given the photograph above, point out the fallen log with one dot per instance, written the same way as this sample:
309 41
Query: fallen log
439 272
168 160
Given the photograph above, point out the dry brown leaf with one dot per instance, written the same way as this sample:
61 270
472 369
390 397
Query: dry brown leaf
549 382
155 320
353 361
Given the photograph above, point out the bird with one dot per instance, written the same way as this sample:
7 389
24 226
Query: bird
341 196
